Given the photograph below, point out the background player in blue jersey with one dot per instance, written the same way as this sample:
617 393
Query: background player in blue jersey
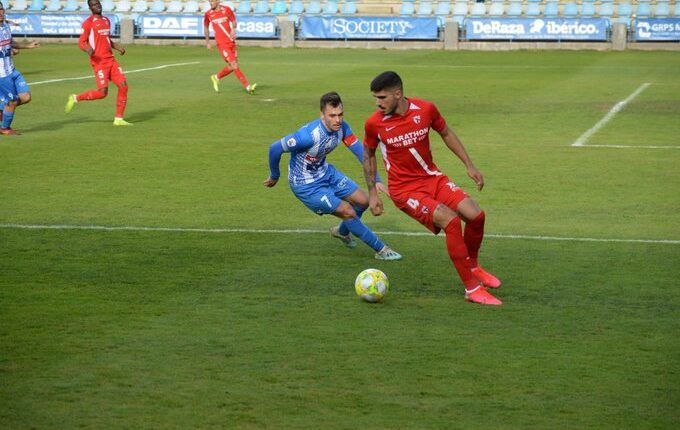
13 87
319 185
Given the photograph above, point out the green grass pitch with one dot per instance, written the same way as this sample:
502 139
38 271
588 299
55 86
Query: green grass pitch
179 329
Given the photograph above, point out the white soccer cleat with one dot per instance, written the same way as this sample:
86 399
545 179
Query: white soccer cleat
388 254
121 122
348 241
250 89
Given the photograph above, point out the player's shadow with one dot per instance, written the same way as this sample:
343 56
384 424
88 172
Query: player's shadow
138 117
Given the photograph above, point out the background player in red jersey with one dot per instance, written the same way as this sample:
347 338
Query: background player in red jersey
96 42
401 127
223 22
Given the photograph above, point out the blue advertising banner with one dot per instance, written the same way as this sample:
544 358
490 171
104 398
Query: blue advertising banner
253 27
591 29
53 24
368 27
654 29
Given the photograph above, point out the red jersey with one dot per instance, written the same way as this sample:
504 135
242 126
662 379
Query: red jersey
96 30
404 141
223 21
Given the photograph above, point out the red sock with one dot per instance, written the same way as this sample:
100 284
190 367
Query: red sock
91 95
458 253
241 77
121 101
474 233
224 72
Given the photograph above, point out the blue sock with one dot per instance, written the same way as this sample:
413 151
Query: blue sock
364 233
344 230
7 118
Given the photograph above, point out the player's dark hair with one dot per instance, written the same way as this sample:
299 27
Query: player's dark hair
331 98
386 81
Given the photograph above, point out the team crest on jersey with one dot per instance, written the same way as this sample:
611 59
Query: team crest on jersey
291 142
416 119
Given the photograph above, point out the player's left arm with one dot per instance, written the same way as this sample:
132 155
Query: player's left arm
25 45
117 47
456 146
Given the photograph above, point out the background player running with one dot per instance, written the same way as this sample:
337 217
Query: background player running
97 43
401 127
319 185
223 23
13 87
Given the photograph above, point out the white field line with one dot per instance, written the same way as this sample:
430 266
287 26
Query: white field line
164 66
312 231
581 141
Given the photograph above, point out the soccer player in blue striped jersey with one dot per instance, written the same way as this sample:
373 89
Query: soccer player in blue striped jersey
13 87
318 184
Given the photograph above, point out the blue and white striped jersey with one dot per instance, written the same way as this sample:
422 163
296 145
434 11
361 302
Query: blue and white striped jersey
309 147
6 61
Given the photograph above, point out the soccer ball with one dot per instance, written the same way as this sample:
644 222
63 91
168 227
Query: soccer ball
372 285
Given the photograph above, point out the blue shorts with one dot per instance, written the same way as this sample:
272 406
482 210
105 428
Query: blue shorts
11 86
325 195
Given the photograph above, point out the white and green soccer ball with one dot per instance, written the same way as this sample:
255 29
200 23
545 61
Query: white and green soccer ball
372 285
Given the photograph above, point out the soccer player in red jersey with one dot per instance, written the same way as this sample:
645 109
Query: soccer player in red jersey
223 23
96 42
401 127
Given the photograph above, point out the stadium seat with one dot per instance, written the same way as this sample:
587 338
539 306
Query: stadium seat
123 6
424 8
478 9
624 11
70 6
53 6
244 7
297 7
107 6
676 9
279 7
514 9
19 5
349 7
460 11
643 10
261 7
175 6
587 9
552 9
331 7
140 6
192 6
407 8
570 10
605 9
533 8
497 8
442 12
37 5
662 9
157 6
314 7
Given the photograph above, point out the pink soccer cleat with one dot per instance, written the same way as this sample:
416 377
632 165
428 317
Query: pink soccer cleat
481 296
486 278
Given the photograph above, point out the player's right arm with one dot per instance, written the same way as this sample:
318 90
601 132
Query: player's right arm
206 30
83 40
370 165
293 142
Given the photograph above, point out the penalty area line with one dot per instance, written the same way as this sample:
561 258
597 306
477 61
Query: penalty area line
581 141
146 69
314 231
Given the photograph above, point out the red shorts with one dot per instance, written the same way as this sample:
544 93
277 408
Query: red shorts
228 52
108 71
420 198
